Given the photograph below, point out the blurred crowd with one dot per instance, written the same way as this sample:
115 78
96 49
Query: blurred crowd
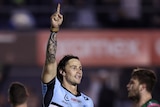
105 85
81 13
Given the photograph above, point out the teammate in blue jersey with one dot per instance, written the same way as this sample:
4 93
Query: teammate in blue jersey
140 88
60 81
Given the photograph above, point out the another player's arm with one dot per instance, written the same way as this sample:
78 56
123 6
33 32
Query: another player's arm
50 67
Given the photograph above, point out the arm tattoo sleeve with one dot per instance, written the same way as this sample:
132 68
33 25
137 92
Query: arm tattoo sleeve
51 48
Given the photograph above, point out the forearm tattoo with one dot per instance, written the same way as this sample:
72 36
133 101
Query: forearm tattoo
51 48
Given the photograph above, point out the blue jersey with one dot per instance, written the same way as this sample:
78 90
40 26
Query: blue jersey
55 95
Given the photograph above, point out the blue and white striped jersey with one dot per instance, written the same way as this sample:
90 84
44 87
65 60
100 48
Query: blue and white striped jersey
55 95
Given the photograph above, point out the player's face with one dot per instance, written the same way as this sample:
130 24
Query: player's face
73 72
133 88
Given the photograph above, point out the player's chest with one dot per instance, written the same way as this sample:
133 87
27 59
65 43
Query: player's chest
68 100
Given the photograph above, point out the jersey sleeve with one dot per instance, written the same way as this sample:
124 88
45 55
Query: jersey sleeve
153 105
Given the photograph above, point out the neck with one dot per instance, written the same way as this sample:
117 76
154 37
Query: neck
71 88
144 98
21 105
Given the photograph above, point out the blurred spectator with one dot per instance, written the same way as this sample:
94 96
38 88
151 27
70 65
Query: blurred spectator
82 15
33 99
86 18
3 100
21 18
4 71
156 15
108 12
101 93
18 95
131 10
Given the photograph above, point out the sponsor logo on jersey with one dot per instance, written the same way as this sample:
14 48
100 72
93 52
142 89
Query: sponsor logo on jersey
86 98
66 97
75 100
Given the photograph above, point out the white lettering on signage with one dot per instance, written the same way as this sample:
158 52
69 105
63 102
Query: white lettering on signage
118 47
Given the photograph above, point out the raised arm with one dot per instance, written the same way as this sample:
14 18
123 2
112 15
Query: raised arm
50 66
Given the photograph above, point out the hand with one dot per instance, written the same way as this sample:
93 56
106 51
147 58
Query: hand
56 18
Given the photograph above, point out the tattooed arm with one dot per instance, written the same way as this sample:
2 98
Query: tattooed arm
50 67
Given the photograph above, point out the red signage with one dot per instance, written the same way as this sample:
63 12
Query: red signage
155 48
104 47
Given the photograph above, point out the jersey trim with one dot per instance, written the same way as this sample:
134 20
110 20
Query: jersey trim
53 103
151 103
49 93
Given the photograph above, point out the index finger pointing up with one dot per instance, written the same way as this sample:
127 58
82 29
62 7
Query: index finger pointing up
58 8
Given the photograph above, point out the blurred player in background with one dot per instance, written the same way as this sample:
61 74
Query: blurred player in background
60 82
18 95
140 88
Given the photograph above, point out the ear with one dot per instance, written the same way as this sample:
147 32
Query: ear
62 72
142 87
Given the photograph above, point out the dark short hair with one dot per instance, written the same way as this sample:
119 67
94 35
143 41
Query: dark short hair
145 76
17 93
62 63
